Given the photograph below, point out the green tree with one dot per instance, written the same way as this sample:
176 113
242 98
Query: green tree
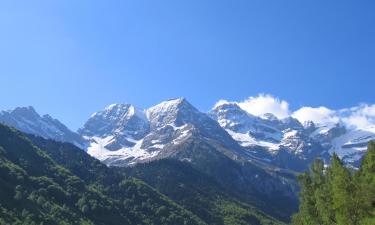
344 194
365 181
308 214
322 194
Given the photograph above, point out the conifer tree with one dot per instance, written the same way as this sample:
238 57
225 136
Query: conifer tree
337 195
365 181
322 194
343 191
307 214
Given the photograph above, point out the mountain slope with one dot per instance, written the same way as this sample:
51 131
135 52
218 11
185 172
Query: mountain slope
36 189
197 192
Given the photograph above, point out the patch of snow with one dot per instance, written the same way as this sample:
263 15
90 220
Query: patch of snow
97 149
163 107
160 146
246 140
290 134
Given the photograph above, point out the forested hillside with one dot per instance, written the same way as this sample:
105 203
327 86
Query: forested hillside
198 193
35 189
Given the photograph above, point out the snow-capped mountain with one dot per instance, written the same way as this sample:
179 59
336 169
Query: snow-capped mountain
350 144
282 142
122 134
287 142
124 122
29 121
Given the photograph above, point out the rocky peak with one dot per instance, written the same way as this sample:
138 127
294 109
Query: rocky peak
26 119
119 119
175 112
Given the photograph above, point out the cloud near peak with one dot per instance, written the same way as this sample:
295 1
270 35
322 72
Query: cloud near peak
265 103
317 115
361 116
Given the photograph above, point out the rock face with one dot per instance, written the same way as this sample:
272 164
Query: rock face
29 121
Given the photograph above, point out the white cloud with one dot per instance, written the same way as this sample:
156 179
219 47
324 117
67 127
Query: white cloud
362 116
221 102
265 103
317 115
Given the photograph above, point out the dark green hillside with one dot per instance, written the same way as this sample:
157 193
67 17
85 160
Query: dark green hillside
35 189
197 192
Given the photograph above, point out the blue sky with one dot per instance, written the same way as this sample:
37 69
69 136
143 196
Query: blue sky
70 58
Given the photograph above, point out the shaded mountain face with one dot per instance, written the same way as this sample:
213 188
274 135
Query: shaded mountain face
29 121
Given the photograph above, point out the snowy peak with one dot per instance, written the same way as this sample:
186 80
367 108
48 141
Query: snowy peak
117 119
172 112
230 115
123 135
288 137
29 121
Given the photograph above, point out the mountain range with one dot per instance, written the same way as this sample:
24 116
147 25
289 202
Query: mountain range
124 135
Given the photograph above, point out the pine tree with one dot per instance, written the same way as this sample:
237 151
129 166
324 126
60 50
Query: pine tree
322 194
343 193
307 214
365 181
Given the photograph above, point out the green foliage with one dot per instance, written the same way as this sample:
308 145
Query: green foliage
337 195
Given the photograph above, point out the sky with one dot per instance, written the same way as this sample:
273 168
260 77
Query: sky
71 58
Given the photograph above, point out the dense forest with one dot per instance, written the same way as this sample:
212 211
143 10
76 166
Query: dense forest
337 194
